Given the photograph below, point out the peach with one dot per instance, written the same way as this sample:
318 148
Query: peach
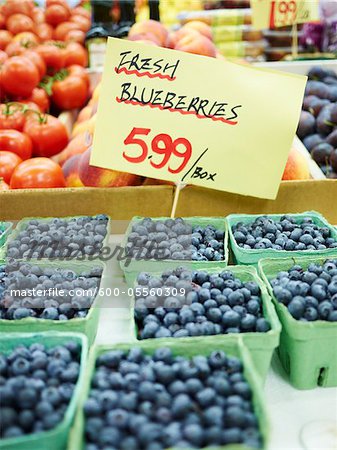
153 27
70 172
87 125
178 35
97 177
145 37
297 167
201 27
199 45
78 145
84 114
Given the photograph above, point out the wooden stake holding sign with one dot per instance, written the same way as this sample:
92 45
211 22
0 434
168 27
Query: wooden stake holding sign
189 119
280 13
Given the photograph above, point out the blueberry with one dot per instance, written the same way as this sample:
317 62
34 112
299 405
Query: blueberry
181 406
231 319
194 434
206 397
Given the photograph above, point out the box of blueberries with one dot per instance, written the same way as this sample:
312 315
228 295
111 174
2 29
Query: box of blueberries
171 395
253 237
229 304
304 291
76 237
5 229
42 380
45 295
163 243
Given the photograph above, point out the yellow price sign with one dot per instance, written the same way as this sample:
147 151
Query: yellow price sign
180 117
280 13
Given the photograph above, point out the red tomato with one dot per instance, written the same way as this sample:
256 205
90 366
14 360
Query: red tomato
37 173
48 134
15 49
37 60
82 22
11 7
53 56
27 39
44 31
80 11
17 23
76 54
2 21
63 29
75 36
3 185
16 142
58 2
12 116
31 105
5 39
3 56
79 71
8 162
71 93
19 76
56 14
38 15
40 98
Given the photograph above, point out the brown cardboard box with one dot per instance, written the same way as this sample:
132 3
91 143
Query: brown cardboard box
124 203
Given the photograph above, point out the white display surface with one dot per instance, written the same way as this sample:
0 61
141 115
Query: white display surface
299 419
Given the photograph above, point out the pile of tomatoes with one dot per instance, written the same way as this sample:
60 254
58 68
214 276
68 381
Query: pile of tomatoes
42 72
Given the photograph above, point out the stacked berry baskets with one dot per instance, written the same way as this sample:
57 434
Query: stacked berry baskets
159 244
210 305
172 395
304 291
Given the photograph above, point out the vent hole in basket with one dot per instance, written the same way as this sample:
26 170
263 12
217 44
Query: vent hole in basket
322 375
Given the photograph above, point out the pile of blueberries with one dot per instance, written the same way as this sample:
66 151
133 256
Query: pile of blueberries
309 294
143 402
175 239
36 386
20 283
60 238
206 304
288 233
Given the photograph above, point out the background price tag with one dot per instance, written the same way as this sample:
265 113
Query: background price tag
281 13
185 118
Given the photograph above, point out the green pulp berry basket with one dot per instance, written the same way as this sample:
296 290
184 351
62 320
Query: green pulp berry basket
308 350
22 224
55 439
87 325
151 265
195 347
244 256
5 229
260 345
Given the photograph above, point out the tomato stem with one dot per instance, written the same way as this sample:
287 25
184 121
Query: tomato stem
19 107
43 118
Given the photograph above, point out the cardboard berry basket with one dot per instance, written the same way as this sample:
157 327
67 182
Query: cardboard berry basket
151 265
260 345
87 325
56 438
308 350
5 230
197 346
22 224
244 256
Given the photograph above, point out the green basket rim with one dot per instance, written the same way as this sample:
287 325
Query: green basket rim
75 398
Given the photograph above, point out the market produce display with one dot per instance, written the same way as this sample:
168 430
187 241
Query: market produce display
182 303
139 401
176 239
58 237
318 122
310 294
65 294
284 234
37 386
